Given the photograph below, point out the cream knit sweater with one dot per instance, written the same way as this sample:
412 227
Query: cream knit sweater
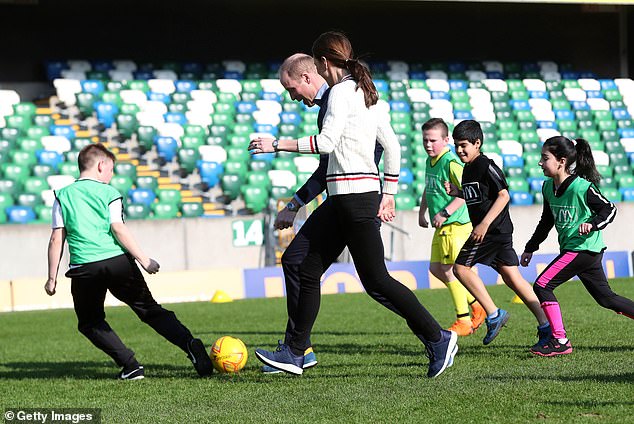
349 133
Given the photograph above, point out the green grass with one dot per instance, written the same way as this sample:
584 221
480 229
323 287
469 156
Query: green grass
371 369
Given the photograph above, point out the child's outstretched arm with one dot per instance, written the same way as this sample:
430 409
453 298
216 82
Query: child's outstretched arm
55 250
124 236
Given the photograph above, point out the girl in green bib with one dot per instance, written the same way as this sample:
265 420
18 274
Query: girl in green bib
576 208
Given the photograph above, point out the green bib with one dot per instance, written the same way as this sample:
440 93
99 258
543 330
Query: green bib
570 210
437 197
84 205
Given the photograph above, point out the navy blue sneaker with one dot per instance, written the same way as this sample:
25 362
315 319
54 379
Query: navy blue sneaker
282 358
310 360
441 353
494 325
544 334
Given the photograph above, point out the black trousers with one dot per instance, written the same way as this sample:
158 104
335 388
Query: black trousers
319 232
345 220
588 266
120 275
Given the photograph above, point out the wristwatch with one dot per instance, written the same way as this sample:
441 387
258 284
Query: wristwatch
274 144
444 213
292 207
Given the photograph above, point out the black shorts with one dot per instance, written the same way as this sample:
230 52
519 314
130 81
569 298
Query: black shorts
493 251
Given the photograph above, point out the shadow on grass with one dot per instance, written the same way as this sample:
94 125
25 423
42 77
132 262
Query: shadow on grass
627 377
86 370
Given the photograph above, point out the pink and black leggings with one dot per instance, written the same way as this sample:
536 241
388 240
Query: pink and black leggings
588 267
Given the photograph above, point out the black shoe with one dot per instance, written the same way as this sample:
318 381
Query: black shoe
199 357
132 373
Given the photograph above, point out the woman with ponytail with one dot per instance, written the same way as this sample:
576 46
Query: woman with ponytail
578 210
351 127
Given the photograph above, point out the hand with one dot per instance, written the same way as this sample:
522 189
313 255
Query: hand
261 145
478 233
284 219
525 259
387 211
438 220
151 266
50 286
451 189
585 228
423 222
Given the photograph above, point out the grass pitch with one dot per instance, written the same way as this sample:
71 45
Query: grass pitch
371 368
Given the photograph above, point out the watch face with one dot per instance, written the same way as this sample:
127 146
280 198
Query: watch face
291 207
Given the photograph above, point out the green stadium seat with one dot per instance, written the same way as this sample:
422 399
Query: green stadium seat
123 183
188 159
35 185
404 201
25 158
125 168
191 209
255 197
6 200
25 109
37 132
147 182
15 172
145 136
230 184
238 168
612 194
137 211
44 213
10 186
625 181
162 210
278 192
29 199
69 168
127 125
169 195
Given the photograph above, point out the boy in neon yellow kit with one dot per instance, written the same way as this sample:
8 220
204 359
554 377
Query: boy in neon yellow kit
450 218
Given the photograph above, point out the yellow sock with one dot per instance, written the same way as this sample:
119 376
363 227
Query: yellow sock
459 295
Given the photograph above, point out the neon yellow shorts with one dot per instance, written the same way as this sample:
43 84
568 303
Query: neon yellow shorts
447 242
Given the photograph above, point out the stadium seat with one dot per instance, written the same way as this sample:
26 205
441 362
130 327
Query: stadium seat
141 195
191 209
20 214
162 210
255 197
404 201
137 211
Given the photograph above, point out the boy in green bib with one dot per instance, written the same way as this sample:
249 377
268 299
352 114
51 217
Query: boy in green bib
576 208
449 216
88 214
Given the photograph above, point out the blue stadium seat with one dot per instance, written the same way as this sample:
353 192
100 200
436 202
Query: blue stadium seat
533 94
106 113
245 107
92 86
269 95
440 95
521 198
594 94
210 172
621 114
20 214
458 85
184 86
291 118
406 176
513 161
628 194
144 196
564 115
167 147
159 97
49 157
63 130
175 118
399 106
535 183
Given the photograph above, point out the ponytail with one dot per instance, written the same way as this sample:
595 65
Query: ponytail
336 47
585 166
578 155
362 76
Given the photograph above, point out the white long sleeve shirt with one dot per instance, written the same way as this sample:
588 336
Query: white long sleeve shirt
349 133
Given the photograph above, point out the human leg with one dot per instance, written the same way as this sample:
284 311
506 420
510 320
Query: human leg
127 284
514 280
594 279
89 293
